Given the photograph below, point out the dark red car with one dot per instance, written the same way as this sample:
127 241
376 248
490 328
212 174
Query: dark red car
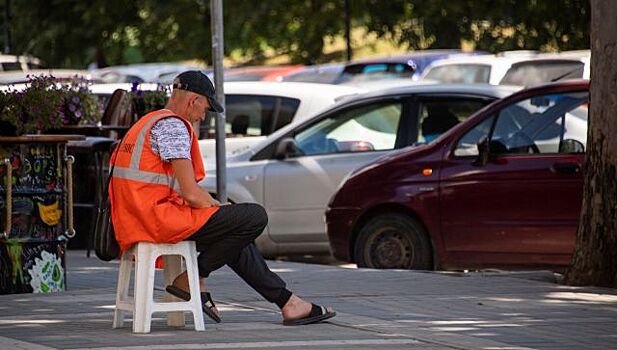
502 189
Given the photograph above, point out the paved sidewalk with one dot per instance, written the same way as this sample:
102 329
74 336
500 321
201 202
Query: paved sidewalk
376 310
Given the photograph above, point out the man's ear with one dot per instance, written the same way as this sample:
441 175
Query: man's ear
192 100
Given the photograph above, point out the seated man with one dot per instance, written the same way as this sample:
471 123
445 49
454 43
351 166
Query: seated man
155 198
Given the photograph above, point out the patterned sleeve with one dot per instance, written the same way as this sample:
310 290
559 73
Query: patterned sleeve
170 139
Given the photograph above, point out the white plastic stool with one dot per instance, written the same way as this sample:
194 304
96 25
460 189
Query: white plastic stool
142 303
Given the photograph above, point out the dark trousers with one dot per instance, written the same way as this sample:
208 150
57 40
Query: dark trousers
227 239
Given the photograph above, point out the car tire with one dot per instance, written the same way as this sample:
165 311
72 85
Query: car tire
393 241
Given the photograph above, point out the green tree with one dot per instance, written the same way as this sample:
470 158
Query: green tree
297 28
492 25
71 33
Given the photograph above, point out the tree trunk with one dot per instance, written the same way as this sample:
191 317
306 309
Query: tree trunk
595 257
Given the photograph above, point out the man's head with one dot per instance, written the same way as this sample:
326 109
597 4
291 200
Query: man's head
193 95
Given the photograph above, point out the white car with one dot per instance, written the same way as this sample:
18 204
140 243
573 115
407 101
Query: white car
294 172
143 72
524 69
103 91
19 63
17 77
254 110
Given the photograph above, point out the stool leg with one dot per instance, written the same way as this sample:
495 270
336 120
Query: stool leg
144 287
172 265
122 290
193 274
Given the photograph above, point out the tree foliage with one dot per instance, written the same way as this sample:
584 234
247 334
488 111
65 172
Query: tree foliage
492 25
72 33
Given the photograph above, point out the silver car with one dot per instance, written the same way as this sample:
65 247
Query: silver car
294 172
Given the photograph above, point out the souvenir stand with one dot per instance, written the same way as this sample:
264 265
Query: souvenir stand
36 212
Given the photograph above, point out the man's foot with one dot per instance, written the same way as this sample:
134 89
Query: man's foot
180 289
299 312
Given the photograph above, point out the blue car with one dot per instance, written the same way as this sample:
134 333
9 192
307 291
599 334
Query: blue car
409 65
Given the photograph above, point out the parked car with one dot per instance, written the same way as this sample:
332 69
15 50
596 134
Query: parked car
321 73
523 69
488 69
159 72
546 69
502 189
21 77
104 91
260 73
254 110
296 170
409 65
22 63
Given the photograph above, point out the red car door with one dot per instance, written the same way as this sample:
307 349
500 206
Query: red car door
521 205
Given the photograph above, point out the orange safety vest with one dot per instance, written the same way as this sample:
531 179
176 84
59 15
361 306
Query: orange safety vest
146 205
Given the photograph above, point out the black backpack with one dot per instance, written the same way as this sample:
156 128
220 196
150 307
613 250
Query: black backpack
106 246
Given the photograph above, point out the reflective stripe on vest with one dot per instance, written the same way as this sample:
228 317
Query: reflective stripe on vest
133 172
141 139
146 177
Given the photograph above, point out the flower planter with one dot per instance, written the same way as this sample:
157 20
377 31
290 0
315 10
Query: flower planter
35 212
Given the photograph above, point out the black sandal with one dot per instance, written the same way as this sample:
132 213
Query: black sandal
318 314
206 301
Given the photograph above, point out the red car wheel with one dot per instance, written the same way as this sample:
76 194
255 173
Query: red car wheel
393 241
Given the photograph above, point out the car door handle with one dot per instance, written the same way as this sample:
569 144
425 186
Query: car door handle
566 168
250 178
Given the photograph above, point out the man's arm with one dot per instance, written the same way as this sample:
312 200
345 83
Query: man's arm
195 196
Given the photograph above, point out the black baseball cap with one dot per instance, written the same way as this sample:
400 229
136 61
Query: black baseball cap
199 83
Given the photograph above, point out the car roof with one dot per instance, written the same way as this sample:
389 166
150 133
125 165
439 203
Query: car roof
482 59
381 84
284 89
322 73
259 73
288 89
148 72
404 57
476 89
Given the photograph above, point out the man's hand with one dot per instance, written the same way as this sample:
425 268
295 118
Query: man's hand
213 202
195 196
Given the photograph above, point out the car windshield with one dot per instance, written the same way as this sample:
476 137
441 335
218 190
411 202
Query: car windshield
538 72
372 71
460 73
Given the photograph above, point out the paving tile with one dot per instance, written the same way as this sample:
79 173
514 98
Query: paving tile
377 309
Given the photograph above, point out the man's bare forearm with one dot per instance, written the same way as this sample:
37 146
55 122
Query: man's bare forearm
193 195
